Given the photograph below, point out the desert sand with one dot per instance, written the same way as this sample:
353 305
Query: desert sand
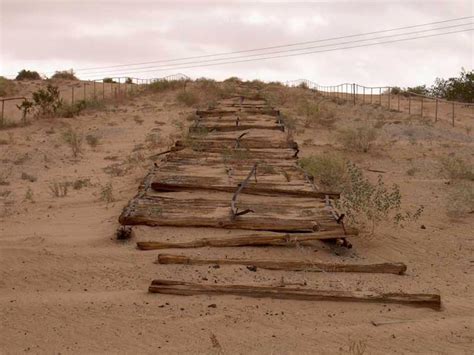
68 286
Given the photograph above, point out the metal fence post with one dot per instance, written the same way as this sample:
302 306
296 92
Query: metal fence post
453 114
436 111
371 94
354 92
103 90
380 96
3 113
389 94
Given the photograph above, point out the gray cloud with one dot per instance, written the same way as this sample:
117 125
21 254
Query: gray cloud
51 35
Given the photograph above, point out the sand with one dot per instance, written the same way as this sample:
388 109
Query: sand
67 286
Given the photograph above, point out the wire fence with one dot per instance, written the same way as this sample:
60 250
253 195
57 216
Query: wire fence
110 89
409 102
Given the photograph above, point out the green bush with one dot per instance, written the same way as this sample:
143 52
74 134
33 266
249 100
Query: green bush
367 204
28 75
457 88
47 102
65 75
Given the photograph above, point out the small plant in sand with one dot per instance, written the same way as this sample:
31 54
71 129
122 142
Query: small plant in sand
359 138
29 195
107 193
367 204
457 168
28 177
58 189
138 119
74 140
25 107
80 183
92 140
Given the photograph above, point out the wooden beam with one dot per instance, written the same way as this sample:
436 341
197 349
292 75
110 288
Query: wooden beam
289 265
431 300
260 239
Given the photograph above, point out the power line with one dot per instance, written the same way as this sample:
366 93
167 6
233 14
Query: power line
293 55
277 46
132 70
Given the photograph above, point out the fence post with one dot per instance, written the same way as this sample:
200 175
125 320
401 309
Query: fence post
453 114
363 95
103 90
409 104
354 92
436 111
380 96
398 102
371 94
72 96
95 96
3 113
84 91
389 97
422 107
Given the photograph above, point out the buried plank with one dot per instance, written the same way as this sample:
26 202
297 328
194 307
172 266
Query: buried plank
431 300
260 239
219 154
233 111
289 265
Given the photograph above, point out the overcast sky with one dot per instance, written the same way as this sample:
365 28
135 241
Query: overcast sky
51 35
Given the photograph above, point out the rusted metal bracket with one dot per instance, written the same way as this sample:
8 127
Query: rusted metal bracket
242 185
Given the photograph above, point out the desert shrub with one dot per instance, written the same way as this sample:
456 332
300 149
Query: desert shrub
25 107
358 138
28 177
329 170
74 140
396 90
92 140
457 168
288 121
303 85
80 183
107 193
460 202
233 79
29 195
65 75
457 88
188 98
7 87
367 204
129 81
72 110
58 189
28 75
164 85
109 80
47 101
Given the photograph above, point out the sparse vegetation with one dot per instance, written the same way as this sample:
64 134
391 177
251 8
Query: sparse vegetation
80 183
28 75
74 140
187 98
330 170
460 200
92 140
29 195
28 177
164 85
457 168
109 80
64 75
358 138
106 193
58 189
7 87
47 101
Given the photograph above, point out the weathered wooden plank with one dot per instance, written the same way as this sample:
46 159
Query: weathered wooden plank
260 239
168 211
288 265
431 300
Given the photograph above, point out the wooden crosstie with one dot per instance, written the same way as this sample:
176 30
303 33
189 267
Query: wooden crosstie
238 169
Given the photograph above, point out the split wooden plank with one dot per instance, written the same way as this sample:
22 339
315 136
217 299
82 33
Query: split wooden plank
431 300
260 239
233 111
288 265
272 155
